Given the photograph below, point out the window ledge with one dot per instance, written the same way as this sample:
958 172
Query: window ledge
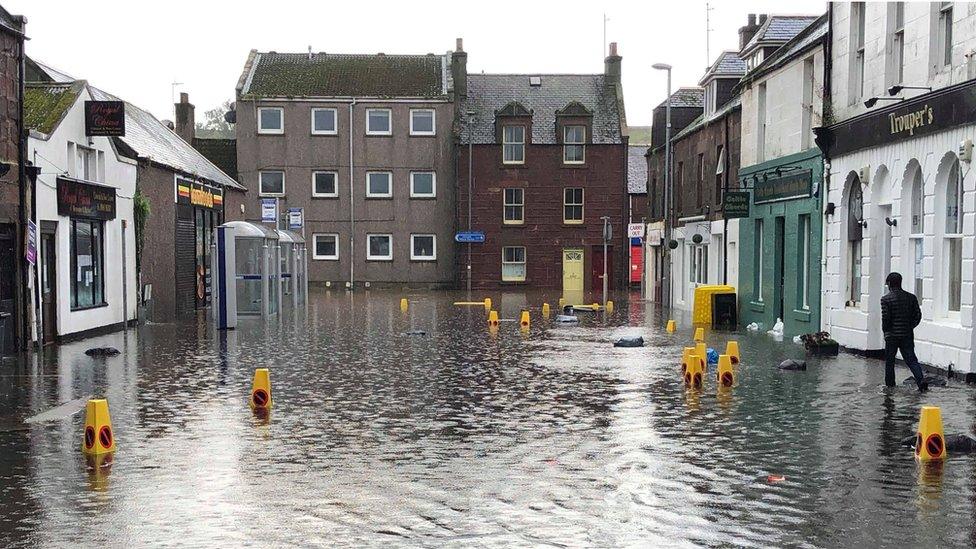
379 197
423 197
514 282
325 134
574 223
271 195
423 135
511 224
325 259
803 315
423 260
387 134
325 196
757 306
89 307
380 259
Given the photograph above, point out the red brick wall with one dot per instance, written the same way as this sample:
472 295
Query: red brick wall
544 235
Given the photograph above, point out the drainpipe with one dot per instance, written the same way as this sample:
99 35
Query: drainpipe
725 219
827 107
24 303
352 206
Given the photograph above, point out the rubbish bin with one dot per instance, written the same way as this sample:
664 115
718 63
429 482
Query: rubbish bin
715 306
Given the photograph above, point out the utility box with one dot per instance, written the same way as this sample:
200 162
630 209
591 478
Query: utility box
715 306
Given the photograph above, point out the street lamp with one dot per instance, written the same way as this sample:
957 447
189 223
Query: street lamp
668 191
470 122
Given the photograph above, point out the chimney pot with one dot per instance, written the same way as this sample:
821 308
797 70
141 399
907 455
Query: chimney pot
184 97
752 19
613 48
460 45
185 118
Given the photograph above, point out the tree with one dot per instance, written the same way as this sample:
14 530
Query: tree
214 125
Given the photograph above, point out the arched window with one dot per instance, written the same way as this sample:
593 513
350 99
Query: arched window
952 246
855 220
917 232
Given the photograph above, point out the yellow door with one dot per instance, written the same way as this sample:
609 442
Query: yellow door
573 276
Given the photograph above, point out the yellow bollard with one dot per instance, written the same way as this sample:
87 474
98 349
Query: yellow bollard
261 390
702 353
545 311
562 303
493 319
609 307
732 349
404 304
671 326
699 334
99 438
725 375
929 440
487 303
685 358
596 306
694 373
524 321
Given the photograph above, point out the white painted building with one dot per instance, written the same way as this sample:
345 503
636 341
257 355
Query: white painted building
86 269
901 194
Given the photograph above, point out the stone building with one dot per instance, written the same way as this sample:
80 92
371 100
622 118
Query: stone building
900 191
15 197
363 145
549 161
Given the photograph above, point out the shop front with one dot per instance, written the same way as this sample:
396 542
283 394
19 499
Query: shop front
901 198
779 258
198 213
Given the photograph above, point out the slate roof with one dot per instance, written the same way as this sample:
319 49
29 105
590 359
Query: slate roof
149 138
488 93
636 169
728 65
222 152
274 74
697 123
46 104
686 97
810 36
779 28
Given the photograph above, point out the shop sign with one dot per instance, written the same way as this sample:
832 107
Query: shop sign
269 210
792 185
196 194
635 230
77 199
735 204
105 118
295 218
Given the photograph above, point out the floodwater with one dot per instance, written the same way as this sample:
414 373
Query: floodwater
462 437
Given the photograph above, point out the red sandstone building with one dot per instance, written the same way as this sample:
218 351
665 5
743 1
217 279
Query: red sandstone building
548 159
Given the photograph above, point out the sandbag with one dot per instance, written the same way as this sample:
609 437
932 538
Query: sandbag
793 365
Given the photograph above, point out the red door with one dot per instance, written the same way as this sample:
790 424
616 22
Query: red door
596 284
636 264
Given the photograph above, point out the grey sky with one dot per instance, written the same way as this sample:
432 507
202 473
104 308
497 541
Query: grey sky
137 49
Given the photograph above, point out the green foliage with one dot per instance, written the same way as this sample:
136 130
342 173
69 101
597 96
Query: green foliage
214 125
141 211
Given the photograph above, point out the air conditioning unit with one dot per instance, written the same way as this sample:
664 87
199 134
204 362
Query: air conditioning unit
864 174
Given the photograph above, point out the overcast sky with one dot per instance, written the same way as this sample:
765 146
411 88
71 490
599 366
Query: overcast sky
136 50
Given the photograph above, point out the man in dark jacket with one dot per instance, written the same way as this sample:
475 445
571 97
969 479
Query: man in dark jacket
900 314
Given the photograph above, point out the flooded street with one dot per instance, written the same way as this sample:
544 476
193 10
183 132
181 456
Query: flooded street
461 437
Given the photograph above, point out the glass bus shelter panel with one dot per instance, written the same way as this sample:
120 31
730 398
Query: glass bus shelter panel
249 266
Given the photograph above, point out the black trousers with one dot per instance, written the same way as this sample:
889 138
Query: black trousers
905 344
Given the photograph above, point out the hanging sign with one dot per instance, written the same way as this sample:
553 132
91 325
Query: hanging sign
635 230
269 210
735 204
31 242
295 218
105 118
77 199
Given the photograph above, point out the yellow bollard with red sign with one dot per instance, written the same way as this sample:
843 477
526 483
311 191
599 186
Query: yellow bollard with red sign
695 373
686 358
732 349
699 334
524 320
929 439
672 326
725 375
261 390
493 319
98 438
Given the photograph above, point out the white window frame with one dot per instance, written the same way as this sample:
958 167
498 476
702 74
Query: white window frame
433 188
524 264
316 256
271 131
506 143
898 41
370 194
506 204
858 42
433 122
389 115
370 256
917 238
581 204
432 257
316 194
261 191
335 121
945 34
759 238
580 144
953 239
803 243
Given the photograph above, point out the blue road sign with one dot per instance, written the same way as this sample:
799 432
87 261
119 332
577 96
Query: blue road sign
470 237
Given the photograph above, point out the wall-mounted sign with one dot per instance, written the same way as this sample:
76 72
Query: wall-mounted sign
31 253
105 118
269 210
796 184
196 194
470 237
77 199
735 204
635 230
296 218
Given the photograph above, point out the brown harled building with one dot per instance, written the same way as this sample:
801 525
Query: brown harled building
14 188
549 161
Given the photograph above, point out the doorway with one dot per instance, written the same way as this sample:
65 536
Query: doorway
779 296
573 276
49 294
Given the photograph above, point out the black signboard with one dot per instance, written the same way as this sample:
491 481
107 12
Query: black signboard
915 117
105 118
77 199
735 204
792 185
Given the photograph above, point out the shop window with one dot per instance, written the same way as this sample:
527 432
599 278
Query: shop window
855 220
423 185
513 263
378 122
325 246
87 264
719 174
271 183
325 184
700 183
513 144
379 247
271 120
698 271
574 139
573 206
422 122
953 238
803 265
324 122
423 247
379 184
514 206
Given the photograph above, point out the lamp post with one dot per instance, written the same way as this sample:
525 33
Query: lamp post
470 122
668 191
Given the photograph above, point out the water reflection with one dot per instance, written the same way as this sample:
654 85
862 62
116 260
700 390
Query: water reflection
463 435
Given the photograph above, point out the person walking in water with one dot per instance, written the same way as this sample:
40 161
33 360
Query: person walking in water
900 314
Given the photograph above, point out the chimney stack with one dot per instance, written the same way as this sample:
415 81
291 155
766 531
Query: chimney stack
747 32
611 66
185 118
459 70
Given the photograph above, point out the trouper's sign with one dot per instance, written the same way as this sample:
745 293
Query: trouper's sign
919 116
196 194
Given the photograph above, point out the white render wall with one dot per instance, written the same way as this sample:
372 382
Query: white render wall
940 339
683 289
784 110
52 157
918 71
